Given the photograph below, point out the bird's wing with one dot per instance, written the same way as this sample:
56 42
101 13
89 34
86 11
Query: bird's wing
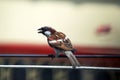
60 41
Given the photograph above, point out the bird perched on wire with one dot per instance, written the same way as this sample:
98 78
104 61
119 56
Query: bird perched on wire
60 43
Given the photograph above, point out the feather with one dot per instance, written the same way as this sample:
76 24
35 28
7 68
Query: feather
72 58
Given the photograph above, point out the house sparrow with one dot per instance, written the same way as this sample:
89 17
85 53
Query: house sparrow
60 43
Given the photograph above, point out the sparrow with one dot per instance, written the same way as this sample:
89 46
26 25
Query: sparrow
60 43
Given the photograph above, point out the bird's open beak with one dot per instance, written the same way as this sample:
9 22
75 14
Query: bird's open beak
40 30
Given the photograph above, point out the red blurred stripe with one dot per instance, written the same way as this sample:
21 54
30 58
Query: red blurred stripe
18 48
25 49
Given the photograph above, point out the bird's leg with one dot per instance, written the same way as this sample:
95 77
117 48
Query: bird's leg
57 55
57 52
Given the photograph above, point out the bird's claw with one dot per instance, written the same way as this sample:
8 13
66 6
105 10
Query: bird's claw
52 56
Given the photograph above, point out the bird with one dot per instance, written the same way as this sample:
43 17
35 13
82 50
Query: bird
60 43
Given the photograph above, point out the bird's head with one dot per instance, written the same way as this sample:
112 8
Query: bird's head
47 31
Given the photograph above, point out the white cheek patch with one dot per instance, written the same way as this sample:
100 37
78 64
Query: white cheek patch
47 33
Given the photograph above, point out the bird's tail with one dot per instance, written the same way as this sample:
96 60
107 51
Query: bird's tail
72 58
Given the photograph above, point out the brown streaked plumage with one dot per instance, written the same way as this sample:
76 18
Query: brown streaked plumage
60 43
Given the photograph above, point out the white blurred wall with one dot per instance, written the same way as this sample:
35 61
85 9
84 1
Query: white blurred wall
19 21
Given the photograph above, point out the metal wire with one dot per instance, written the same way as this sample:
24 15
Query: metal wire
61 56
58 67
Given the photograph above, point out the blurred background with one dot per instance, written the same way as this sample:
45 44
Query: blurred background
79 19
92 25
